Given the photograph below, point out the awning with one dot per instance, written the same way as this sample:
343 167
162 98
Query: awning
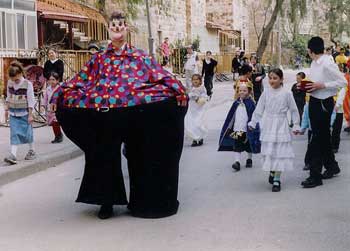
213 25
64 17
48 11
231 33
65 10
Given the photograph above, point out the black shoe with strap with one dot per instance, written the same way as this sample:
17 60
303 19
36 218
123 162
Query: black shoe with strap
330 173
276 186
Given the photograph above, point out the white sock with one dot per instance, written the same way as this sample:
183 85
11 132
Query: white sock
237 157
31 147
14 150
250 156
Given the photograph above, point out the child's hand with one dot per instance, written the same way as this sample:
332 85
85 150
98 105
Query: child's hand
30 119
296 132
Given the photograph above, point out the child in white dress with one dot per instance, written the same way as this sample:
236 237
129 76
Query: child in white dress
195 127
276 139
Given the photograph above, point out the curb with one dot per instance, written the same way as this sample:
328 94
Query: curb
12 173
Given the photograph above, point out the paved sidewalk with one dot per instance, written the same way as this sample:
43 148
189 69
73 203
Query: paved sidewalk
48 154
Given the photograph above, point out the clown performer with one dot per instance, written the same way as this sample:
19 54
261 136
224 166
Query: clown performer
122 95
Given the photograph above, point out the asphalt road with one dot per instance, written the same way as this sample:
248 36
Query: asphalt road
220 209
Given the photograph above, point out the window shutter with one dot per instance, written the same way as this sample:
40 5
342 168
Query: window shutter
10 24
32 32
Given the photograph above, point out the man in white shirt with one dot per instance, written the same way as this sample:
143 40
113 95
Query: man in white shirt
326 79
191 67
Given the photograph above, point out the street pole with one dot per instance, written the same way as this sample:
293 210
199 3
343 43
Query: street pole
150 38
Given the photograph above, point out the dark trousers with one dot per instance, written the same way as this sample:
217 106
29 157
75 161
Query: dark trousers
153 135
321 153
337 126
307 159
208 83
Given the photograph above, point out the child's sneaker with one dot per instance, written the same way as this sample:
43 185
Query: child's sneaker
11 159
276 186
236 166
30 155
249 163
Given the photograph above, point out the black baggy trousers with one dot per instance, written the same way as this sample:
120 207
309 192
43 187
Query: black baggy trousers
153 135
320 147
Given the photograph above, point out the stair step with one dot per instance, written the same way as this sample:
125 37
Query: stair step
78 34
84 39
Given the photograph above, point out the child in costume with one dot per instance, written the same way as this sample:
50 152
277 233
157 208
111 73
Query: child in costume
194 121
19 108
276 140
235 135
53 81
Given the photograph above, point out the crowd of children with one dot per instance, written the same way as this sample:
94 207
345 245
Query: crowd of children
264 128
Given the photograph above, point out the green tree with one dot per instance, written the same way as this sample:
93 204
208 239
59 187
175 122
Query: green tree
337 17
296 8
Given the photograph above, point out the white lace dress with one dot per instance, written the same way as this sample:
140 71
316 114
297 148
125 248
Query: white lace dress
195 126
276 139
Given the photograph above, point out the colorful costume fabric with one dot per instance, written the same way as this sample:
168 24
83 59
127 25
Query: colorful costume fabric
119 78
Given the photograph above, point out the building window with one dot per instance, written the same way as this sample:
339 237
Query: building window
2 30
32 37
25 5
20 31
11 31
6 4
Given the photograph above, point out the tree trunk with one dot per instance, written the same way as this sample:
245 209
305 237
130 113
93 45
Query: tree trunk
267 30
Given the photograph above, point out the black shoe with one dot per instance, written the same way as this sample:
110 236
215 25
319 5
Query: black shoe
311 182
271 176
276 186
194 143
330 173
106 211
306 167
54 141
236 166
249 163
59 138
200 142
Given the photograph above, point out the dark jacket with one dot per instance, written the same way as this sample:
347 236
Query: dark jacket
236 64
208 69
57 67
226 142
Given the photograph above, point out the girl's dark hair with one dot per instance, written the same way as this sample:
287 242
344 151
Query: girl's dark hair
301 74
15 69
117 15
246 69
197 76
316 45
55 75
277 71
